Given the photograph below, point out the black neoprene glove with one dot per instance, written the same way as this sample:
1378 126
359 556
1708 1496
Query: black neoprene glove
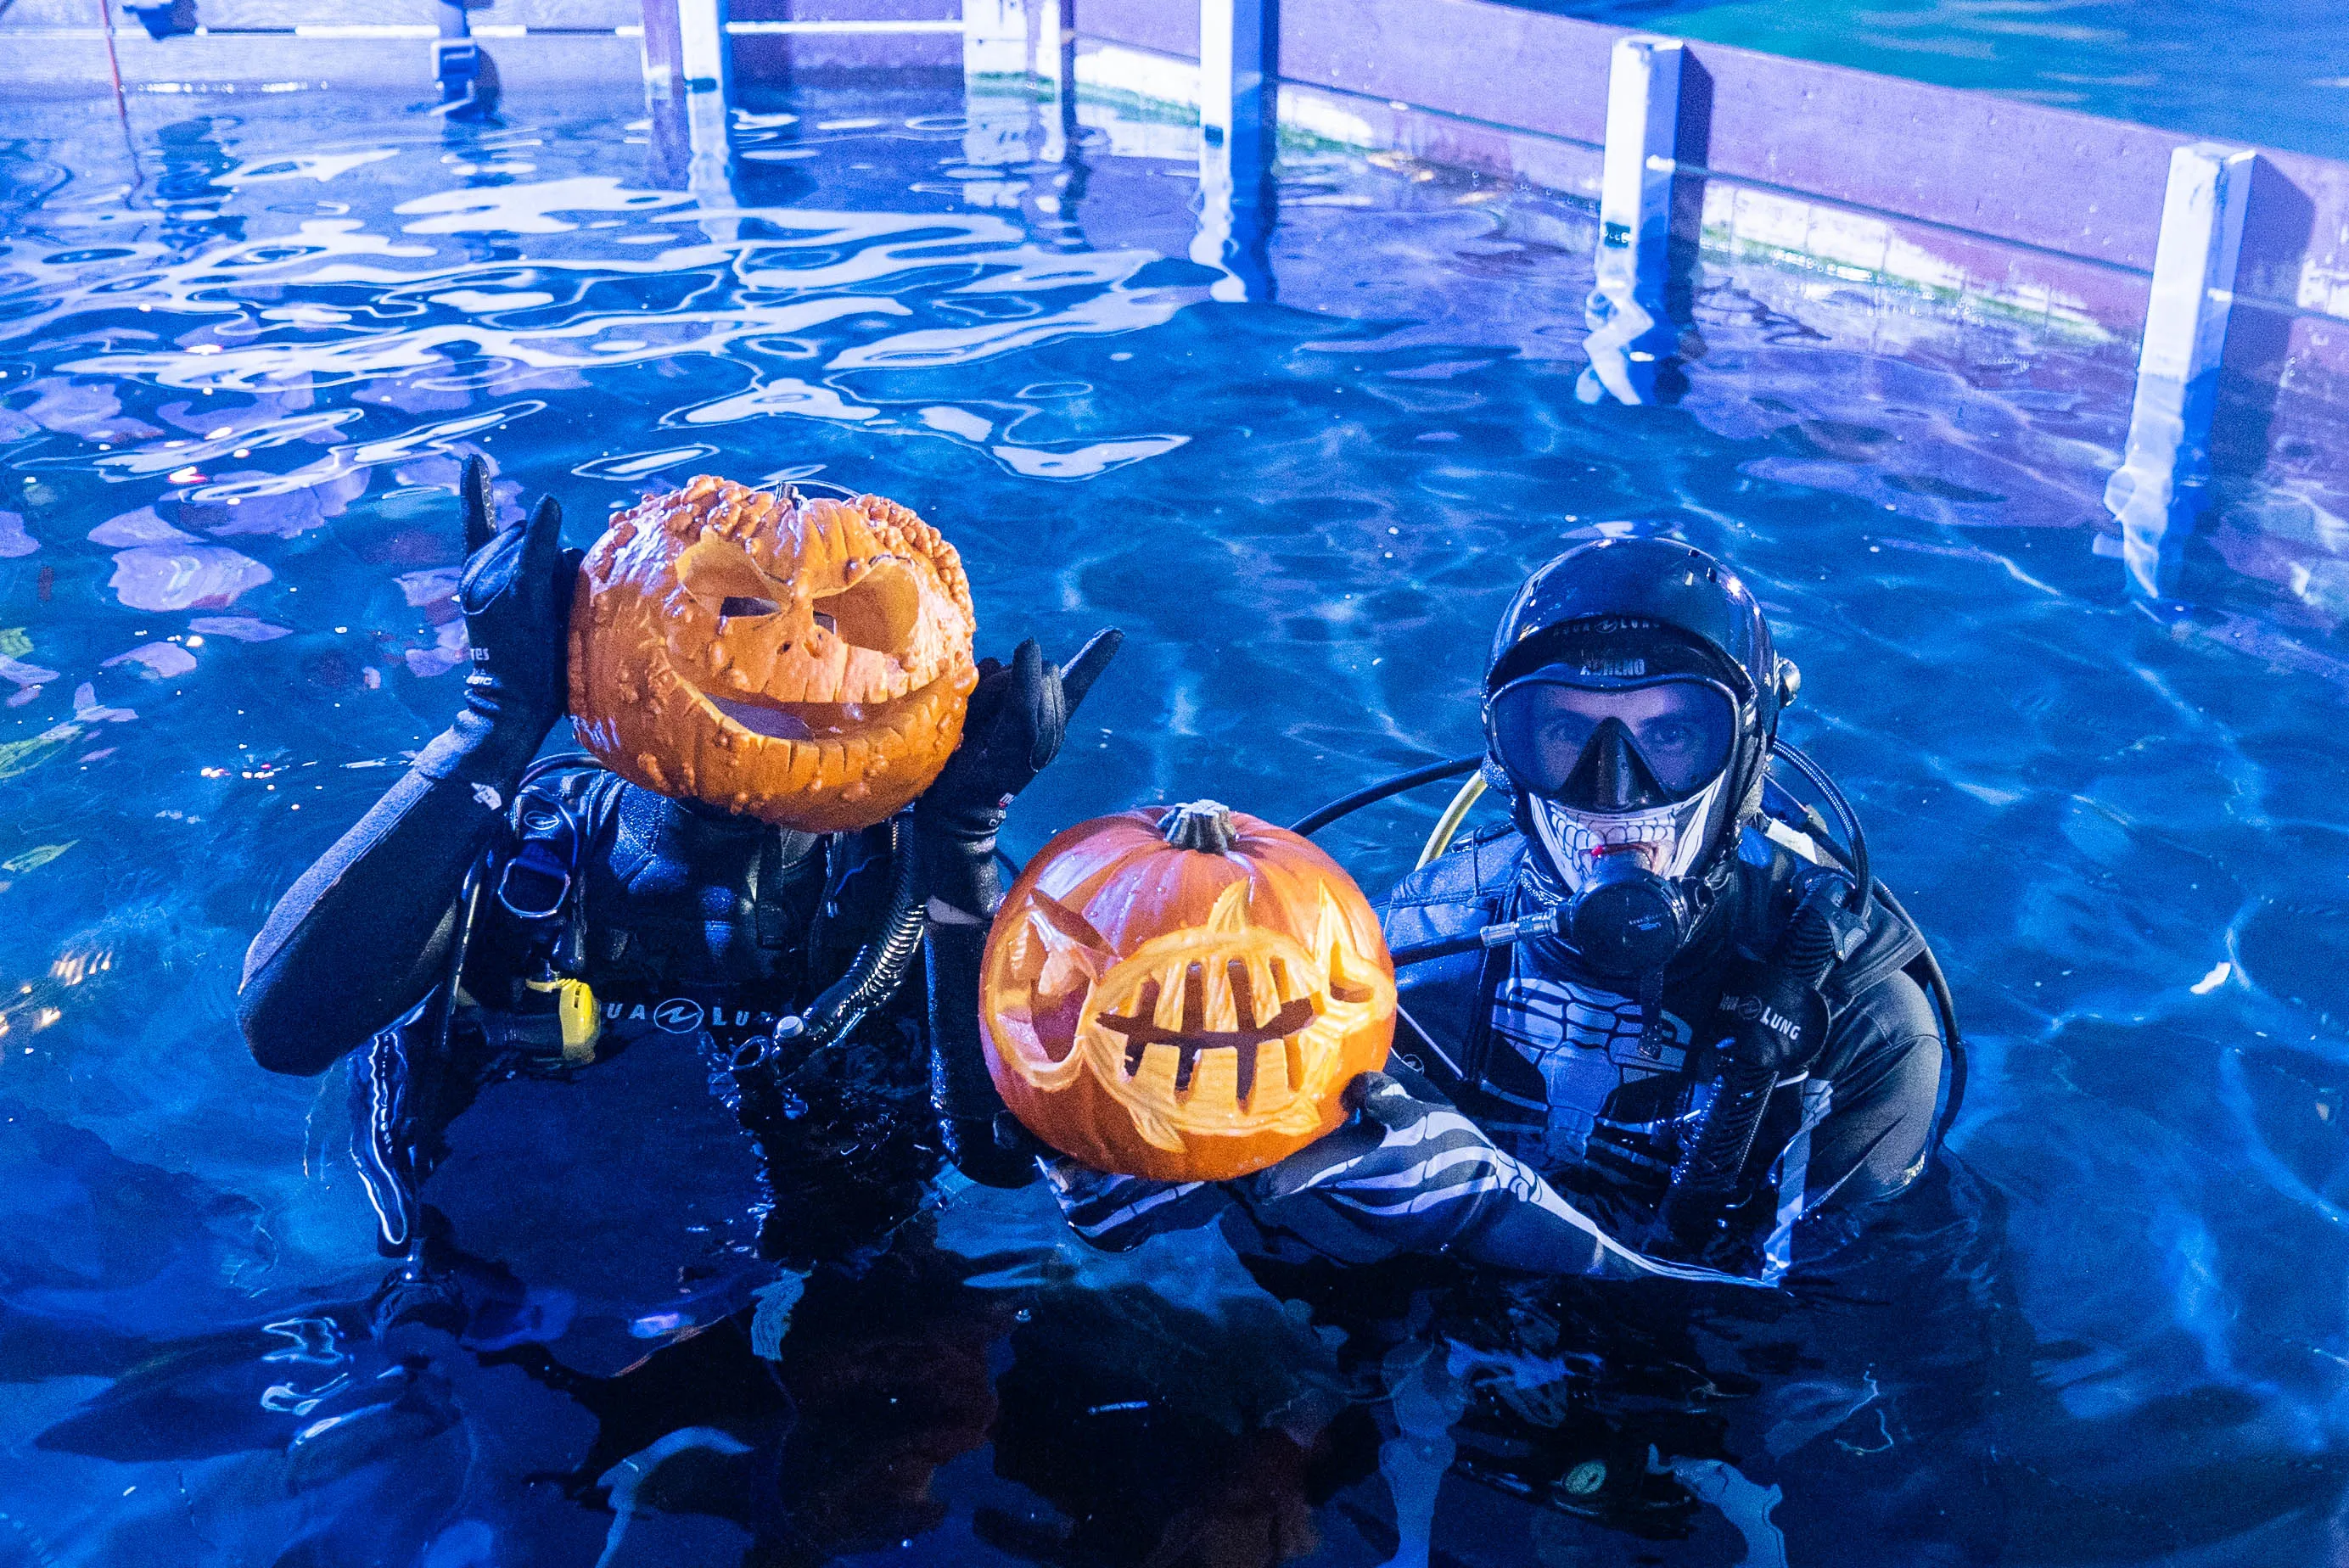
516 592
1776 1019
1019 716
1378 1097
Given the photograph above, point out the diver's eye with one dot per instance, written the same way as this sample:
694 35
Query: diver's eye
742 606
1673 736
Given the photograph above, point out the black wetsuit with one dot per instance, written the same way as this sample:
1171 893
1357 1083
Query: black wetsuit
602 1193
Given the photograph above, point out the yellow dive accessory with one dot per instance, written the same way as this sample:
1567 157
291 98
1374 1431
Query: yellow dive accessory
577 1012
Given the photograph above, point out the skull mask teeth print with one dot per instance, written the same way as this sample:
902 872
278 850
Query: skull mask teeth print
1670 838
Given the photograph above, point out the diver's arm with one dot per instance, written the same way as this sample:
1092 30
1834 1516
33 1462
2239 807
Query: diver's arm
1117 1213
1886 1051
1018 715
1409 1175
971 1118
361 935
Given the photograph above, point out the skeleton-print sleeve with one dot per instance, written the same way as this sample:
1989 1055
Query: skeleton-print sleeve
1369 1192
1118 1213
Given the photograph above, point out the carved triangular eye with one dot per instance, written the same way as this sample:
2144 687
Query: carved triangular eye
1329 946
719 573
878 611
1075 954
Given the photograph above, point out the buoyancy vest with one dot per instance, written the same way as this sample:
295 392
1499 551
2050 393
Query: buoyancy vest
586 1162
1555 1065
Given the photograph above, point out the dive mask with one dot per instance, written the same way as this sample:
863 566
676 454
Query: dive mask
1623 778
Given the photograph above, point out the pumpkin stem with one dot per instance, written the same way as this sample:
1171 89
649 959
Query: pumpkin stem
1204 825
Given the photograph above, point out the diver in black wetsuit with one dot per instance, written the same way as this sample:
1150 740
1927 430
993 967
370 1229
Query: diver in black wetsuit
552 971
1704 1037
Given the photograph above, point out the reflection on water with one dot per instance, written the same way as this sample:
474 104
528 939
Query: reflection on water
236 387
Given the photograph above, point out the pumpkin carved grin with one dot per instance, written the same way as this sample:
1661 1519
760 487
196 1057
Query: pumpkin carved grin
1178 1032
805 662
815 721
1185 1015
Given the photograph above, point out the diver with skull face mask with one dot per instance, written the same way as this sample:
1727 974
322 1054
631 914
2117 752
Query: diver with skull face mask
1654 1022
547 975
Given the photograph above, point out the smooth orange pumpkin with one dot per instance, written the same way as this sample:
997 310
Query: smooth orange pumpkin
1182 993
804 662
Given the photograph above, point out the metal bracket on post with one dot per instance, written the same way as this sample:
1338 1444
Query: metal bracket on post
1238 124
703 57
2161 487
467 77
1630 338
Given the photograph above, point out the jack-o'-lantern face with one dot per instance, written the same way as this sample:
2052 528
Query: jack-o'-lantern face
804 662
1183 993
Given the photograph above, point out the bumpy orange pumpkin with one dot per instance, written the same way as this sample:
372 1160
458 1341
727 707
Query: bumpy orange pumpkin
804 662
1182 993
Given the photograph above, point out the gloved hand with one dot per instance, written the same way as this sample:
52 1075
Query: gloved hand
1413 1175
1377 1097
993 1151
516 592
1019 716
1776 1020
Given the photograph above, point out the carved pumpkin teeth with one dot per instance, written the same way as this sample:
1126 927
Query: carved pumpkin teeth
1235 1043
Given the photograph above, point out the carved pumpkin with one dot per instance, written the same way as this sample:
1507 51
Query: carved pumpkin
1182 993
804 662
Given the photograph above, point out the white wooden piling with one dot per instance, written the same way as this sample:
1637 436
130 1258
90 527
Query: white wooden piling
2161 487
1630 335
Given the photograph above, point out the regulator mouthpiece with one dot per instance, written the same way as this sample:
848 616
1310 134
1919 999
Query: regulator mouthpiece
1625 920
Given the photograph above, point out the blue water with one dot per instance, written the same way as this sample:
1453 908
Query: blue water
2112 1330
2274 73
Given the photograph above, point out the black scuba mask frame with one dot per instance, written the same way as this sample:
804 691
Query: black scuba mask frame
1611 763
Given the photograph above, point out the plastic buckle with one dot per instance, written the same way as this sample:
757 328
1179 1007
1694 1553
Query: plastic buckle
534 883
1844 924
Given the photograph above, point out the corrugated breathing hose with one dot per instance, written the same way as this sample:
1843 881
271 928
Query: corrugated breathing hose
760 1069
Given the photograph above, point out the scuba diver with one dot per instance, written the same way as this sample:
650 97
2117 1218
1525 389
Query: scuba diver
1659 1023
549 975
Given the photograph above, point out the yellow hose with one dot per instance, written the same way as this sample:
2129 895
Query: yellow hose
1453 814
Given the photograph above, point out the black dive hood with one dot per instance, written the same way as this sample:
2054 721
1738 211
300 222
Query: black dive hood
1630 586
1680 611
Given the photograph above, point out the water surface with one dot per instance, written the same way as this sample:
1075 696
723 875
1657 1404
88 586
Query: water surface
2274 73
247 345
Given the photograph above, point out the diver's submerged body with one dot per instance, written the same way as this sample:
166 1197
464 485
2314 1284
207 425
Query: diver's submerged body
551 979
683 934
1714 1047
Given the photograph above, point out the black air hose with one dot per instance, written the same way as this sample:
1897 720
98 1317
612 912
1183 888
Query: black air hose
759 1070
1706 1176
